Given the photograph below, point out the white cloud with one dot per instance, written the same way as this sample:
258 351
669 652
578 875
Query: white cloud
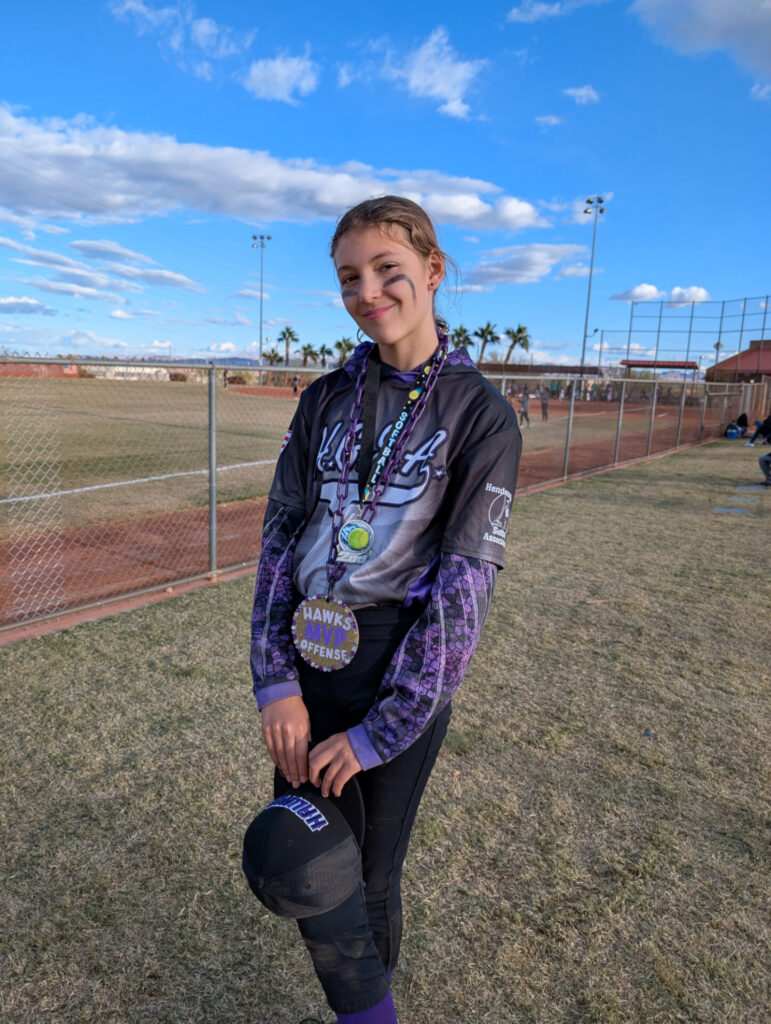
742 27
250 293
530 11
582 94
548 120
577 270
226 346
345 75
114 175
640 293
165 278
433 71
105 250
685 296
761 92
521 264
75 291
192 42
41 257
121 314
281 78
25 305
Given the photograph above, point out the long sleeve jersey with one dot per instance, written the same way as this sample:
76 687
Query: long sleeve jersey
426 669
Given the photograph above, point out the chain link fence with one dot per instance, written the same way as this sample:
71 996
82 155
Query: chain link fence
121 478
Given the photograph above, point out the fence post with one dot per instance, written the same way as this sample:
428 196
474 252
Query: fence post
618 422
212 469
680 416
569 428
725 400
703 412
653 414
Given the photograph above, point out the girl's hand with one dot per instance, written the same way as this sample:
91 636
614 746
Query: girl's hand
287 731
337 757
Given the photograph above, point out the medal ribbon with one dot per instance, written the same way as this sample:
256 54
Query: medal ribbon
391 452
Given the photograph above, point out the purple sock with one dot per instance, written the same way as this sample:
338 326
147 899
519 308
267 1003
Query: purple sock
383 1013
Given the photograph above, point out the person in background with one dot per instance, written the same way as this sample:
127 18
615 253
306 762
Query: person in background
762 429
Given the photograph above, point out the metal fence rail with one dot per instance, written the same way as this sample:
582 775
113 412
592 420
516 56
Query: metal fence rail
120 478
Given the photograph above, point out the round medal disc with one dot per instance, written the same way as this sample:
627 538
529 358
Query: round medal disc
325 632
355 541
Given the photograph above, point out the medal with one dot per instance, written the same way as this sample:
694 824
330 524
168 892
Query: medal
355 542
325 632
324 629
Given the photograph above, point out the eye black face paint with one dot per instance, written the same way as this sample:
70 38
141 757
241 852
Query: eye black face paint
348 293
402 277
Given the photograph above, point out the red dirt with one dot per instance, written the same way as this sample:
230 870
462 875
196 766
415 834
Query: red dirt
105 562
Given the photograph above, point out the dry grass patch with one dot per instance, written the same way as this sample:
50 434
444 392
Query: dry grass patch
566 867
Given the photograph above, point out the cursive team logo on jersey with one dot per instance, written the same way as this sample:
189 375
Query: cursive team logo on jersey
408 483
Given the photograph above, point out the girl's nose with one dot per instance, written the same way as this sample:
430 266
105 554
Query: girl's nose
369 288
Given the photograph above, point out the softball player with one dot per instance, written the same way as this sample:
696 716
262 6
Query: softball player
383 536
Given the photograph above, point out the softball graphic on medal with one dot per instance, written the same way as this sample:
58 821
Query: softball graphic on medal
355 542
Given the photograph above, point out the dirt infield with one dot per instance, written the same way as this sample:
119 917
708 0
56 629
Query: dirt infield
48 575
97 564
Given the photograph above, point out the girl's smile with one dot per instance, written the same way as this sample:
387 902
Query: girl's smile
388 289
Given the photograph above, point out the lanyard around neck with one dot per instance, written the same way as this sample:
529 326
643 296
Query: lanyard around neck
368 422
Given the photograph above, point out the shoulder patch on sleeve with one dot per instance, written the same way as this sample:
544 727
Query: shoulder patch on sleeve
285 442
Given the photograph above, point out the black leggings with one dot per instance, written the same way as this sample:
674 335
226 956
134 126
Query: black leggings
356 945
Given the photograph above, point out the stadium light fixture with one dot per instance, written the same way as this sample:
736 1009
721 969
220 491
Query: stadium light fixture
595 205
259 242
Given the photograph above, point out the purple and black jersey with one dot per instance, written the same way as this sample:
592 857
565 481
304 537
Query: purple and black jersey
440 534
452 492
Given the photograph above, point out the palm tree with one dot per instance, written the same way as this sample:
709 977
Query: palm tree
324 351
485 334
309 352
460 336
288 336
272 358
343 347
519 337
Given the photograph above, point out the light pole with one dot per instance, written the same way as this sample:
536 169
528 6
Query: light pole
594 205
259 242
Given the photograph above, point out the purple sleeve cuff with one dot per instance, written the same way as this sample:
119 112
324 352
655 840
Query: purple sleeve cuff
277 691
362 747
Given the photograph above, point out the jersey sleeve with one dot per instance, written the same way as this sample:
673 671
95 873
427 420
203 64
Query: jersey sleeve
430 662
289 480
481 491
274 671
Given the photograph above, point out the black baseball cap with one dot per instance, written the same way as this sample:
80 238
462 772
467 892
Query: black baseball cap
302 853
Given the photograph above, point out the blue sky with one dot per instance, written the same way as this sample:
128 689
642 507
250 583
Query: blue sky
144 143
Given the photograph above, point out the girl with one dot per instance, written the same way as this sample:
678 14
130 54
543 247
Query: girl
389 508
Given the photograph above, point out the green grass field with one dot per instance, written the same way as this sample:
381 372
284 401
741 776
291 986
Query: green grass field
592 846
79 435
59 435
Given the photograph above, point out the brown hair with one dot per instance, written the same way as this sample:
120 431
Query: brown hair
413 219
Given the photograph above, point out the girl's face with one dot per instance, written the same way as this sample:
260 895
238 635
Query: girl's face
388 289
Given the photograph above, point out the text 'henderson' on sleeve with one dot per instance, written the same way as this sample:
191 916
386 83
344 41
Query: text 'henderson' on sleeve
430 662
483 481
274 672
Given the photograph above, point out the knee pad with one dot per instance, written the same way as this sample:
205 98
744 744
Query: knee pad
302 853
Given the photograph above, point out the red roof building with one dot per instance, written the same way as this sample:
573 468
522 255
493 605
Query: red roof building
745 367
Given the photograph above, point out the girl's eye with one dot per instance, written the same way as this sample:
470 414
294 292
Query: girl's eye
347 280
388 266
